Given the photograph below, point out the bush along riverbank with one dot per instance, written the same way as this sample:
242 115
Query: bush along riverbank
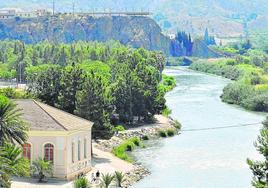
250 75
124 142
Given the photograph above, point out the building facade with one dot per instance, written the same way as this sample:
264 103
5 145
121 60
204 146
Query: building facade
59 137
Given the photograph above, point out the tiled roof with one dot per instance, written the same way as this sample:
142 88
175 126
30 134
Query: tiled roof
42 117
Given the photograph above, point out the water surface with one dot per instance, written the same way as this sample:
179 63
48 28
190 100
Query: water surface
201 159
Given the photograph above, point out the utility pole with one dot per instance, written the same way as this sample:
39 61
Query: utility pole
53 11
73 8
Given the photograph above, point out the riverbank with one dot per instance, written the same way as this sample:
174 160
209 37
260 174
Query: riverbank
250 87
134 172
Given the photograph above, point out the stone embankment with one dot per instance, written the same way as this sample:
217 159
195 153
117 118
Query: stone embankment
138 172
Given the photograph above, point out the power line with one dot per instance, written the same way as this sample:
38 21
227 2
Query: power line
221 127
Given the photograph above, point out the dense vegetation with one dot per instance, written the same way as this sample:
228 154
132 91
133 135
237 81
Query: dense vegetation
250 73
105 83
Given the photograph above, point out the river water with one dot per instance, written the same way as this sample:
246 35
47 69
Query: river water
201 159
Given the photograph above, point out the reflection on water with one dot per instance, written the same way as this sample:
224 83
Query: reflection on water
201 159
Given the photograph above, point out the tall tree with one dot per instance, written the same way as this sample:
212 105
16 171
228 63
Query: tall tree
94 103
44 83
260 168
71 83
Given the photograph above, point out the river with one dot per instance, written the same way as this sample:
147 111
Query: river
201 159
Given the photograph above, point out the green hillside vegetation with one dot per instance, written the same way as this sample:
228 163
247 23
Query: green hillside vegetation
250 75
107 83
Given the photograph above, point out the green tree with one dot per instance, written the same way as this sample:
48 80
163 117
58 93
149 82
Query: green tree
44 83
71 83
94 103
260 168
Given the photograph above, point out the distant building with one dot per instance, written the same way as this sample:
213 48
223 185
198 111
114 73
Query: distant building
26 14
42 12
59 137
12 13
6 14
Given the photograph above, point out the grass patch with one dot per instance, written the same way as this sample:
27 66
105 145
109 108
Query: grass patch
127 146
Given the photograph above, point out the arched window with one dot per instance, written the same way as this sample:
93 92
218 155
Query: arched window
85 148
49 152
72 152
27 151
79 150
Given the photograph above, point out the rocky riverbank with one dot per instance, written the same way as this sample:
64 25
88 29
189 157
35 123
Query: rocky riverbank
148 130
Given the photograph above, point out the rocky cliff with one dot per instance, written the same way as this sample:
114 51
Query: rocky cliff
129 30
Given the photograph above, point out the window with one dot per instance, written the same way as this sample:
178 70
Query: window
79 150
27 151
73 152
49 152
85 148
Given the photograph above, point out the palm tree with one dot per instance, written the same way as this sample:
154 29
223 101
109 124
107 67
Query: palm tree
106 180
120 178
12 127
42 168
13 155
12 164
82 182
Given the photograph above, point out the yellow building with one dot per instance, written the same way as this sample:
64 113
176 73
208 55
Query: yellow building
59 137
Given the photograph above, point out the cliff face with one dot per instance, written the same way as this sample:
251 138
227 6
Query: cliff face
200 49
134 31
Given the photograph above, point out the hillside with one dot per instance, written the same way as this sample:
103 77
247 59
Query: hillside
134 31
222 17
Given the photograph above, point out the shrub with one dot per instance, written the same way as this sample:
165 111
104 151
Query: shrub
258 102
14 93
106 180
145 137
81 182
162 133
171 132
235 93
130 147
119 128
120 178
